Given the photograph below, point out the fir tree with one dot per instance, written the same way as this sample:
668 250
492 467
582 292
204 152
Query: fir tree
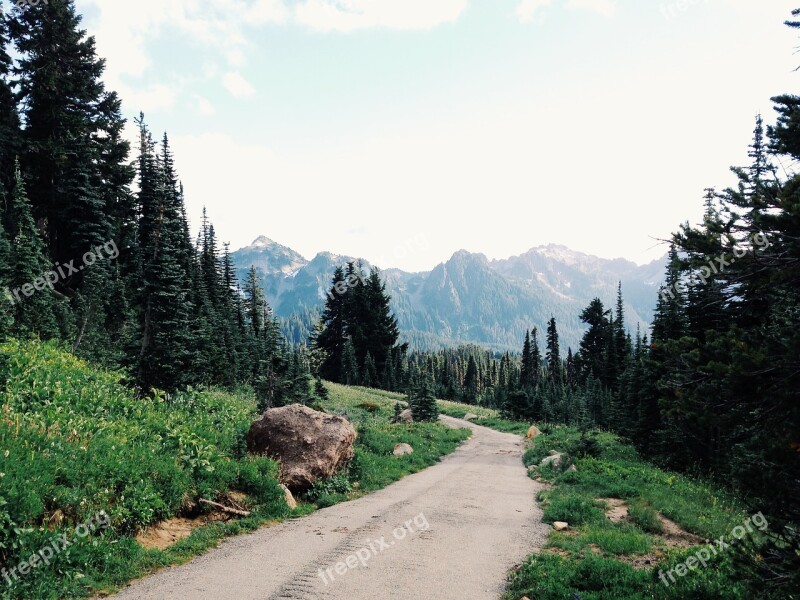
553 352
422 401
33 305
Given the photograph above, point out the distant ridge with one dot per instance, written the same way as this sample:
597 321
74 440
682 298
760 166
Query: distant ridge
468 298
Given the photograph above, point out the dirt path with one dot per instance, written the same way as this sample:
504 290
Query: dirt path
481 516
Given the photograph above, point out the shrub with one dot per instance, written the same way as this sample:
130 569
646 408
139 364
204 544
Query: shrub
645 517
338 484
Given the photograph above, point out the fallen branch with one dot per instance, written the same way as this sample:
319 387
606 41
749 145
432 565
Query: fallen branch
233 511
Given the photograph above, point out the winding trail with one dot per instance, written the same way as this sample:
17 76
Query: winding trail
479 505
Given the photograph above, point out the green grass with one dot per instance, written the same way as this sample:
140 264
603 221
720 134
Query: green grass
491 418
75 441
374 466
592 560
645 517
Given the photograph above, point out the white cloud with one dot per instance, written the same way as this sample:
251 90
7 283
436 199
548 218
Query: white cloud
351 15
238 85
151 98
602 7
123 29
203 107
527 9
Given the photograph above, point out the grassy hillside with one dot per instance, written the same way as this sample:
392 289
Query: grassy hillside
77 447
600 559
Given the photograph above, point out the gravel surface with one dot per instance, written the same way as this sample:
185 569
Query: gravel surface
453 530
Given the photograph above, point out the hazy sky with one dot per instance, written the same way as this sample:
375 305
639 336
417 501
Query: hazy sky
404 130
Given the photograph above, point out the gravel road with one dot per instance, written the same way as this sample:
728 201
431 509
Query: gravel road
453 530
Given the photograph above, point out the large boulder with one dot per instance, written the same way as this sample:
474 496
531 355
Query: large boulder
309 445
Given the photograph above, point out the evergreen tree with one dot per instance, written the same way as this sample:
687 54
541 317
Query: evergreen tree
167 346
330 339
33 305
69 122
349 368
9 120
422 401
553 352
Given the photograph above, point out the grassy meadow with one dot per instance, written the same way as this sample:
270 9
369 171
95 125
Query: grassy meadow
76 442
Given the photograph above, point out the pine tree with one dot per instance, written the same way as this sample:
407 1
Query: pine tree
349 368
9 121
370 372
526 377
594 354
553 352
422 401
33 305
167 350
331 337
69 119
471 382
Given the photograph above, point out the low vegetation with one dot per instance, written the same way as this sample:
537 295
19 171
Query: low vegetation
601 557
75 442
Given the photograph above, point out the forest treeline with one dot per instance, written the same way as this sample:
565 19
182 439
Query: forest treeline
166 306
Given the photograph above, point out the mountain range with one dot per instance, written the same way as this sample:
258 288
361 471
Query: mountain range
468 299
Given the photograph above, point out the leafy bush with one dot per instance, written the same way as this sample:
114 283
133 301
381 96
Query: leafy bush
338 484
585 446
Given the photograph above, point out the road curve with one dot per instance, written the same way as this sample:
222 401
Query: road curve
452 531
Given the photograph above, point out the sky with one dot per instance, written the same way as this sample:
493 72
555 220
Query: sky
404 130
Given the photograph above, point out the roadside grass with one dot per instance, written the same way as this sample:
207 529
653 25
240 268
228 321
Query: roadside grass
75 441
597 559
600 560
491 418
374 467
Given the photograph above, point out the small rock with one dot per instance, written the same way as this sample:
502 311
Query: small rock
533 432
406 416
572 469
402 450
554 452
554 460
290 501
560 525
470 416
